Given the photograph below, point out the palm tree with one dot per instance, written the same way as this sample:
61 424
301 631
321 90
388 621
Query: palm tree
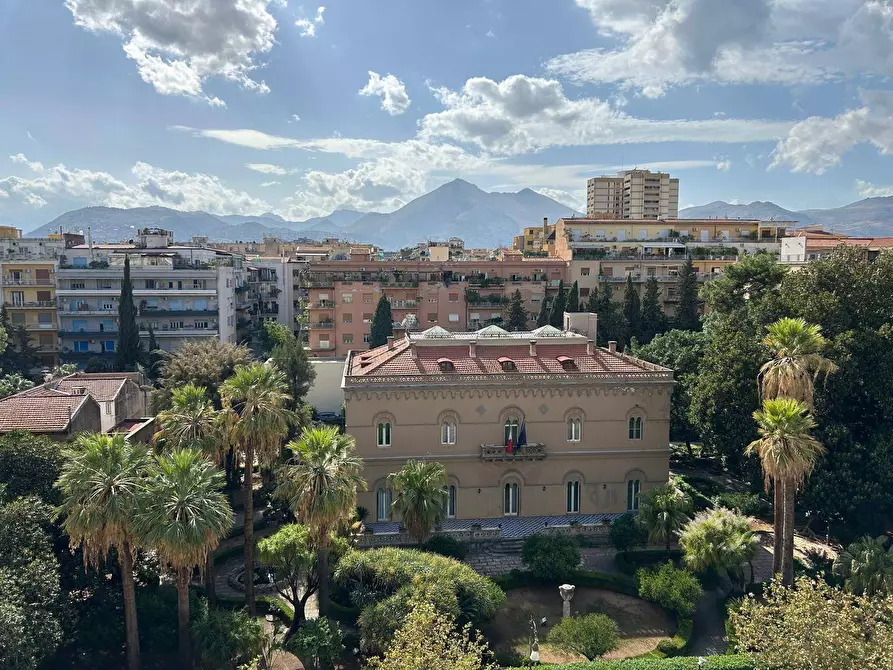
866 566
721 540
795 365
320 485
101 481
420 496
788 453
663 511
257 398
191 419
183 515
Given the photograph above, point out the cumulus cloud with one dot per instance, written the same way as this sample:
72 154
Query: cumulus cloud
178 44
868 190
308 25
394 99
818 143
657 44
575 200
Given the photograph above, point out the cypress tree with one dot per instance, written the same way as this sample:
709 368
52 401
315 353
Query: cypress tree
556 316
382 324
127 354
611 324
632 310
592 303
653 320
573 299
543 318
154 357
687 292
517 315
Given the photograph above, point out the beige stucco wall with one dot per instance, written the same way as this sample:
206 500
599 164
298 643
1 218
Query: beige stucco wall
603 461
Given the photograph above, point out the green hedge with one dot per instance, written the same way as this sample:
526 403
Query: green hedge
676 645
596 580
630 561
740 662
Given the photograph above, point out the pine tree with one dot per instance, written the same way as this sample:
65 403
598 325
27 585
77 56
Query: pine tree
154 357
653 320
556 316
573 299
543 318
517 315
632 309
382 324
687 292
127 355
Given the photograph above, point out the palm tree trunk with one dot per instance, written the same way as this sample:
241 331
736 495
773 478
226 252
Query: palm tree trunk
322 564
210 586
183 617
778 522
125 558
249 529
790 493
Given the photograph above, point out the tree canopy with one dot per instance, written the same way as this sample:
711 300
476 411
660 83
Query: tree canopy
382 323
129 351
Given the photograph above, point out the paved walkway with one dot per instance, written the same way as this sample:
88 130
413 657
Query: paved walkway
708 632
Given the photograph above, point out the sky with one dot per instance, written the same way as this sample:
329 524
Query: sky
253 106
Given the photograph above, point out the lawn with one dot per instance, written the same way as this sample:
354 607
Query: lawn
641 625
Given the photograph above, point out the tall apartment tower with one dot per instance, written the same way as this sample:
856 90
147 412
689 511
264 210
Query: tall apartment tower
633 194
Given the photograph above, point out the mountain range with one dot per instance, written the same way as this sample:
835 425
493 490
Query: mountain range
456 209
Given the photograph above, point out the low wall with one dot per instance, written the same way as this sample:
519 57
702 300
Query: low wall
598 534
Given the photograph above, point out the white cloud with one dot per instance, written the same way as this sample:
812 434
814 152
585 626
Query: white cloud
868 190
394 99
147 186
657 44
308 26
490 33
723 164
265 184
268 168
818 143
295 118
575 200
178 44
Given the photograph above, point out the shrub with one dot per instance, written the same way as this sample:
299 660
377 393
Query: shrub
226 638
738 662
592 635
319 643
749 504
630 561
551 559
626 533
583 578
677 644
446 546
676 590
29 465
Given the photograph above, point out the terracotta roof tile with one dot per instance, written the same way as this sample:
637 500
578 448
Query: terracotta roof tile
102 390
39 411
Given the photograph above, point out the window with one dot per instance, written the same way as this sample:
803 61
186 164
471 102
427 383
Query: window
508 365
324 344
79 325
44 296
511 430
574 429
347 339
347 318
510 499
18 318
383 504
449 501
454 318
632 495
79 262
200 305
384 433
176 325
18 298
176 305
367 318
432 317
367 338
151 303
635 428
150 284
584 292
108 306
104 284
108 345
108 407
573 497
81 345
475 316
201 325
448 432
584 272
106 325
347 298
198 283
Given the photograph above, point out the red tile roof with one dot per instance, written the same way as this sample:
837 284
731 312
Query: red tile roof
40 410
103 389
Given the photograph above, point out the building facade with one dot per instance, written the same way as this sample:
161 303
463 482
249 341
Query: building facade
181 292
539 423
633 194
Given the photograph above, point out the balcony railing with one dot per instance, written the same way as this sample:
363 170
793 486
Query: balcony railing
323 304
27 281
323 325
37 303
526 452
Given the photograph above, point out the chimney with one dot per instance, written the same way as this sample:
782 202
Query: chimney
590 347
533 348
413 352
390 342
472 349
545 225
612 346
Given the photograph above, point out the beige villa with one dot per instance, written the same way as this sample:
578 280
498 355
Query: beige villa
528 424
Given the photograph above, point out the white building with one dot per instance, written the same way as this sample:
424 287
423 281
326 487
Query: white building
633 194
181 292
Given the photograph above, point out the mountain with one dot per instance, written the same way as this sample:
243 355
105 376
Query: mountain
458 209
871 217
765 211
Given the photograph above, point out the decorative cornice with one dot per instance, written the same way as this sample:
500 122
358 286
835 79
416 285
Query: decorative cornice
503 379
420 392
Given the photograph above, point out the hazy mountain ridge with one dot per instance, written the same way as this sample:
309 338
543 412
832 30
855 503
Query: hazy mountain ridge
765 211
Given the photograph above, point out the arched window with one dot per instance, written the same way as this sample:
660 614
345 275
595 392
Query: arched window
449 501
510 499
383 504
574 429
635 428
573 496
633 487
448 431
511 429
384 433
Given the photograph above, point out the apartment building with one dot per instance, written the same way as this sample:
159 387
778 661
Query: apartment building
181 292
271 290
539 423
28 285
456 295
633 194
813 243
539 240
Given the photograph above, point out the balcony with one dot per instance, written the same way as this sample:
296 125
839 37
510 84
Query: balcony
155 312
323 304
92 332
22 305
9 280
527 452
323 325
404 304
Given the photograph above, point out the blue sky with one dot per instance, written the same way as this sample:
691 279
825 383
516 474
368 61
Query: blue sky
246 106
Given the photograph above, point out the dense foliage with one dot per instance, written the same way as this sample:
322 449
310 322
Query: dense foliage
29 465
290 356
319 644
551 558
719 540
446 545
590 635
516 315
735 662
128 353
676 590
226 639
626 533
382 323
419 496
